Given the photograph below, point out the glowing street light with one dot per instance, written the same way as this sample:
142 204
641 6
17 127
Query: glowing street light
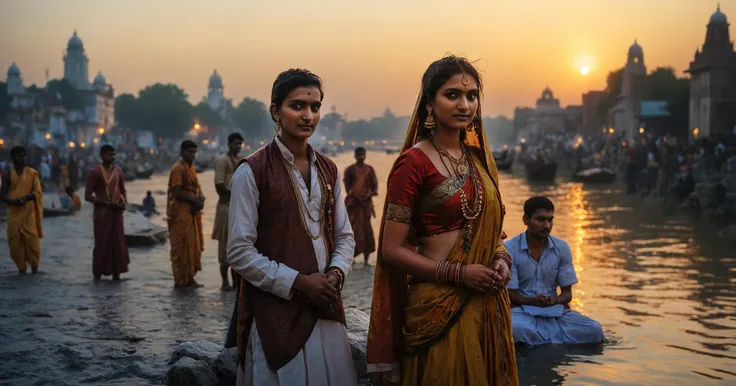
197 126
523 140
206 141
611 130
100 131
641 130
2 142
95 140
82 145
71 145
695 132
48 136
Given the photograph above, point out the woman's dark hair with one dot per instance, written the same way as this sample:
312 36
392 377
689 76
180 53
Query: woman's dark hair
106 149
536 203
187 144
437 74
292 79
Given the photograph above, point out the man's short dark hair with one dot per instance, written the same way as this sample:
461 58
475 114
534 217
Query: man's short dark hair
233 137
16 150
187 144
359 149
106 149
536 203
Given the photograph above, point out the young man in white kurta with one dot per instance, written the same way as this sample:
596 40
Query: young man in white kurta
326 358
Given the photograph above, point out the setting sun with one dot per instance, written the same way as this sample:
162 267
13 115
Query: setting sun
584 70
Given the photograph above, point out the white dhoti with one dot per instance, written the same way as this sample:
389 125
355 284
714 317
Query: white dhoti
325 360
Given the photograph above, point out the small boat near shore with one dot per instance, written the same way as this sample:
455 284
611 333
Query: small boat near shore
504 163
541 171
143 173
595 176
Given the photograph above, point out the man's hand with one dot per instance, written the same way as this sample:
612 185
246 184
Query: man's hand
333 279
544 301
317 288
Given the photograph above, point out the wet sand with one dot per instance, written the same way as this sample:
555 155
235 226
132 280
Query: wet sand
662 288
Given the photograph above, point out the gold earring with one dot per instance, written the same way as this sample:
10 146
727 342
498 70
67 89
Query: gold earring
429 123
278 128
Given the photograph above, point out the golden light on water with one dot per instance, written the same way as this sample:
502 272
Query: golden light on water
579 215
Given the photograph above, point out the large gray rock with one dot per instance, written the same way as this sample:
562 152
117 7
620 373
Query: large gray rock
199 350
357 326
191 372
226 366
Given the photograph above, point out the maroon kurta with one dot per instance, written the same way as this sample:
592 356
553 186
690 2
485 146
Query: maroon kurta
111 252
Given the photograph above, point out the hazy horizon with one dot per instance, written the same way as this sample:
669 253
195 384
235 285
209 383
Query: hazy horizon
370 56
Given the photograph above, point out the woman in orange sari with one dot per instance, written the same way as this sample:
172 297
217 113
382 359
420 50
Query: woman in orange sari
441 313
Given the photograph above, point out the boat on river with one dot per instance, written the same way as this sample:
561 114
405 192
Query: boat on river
537 171
595 175
143 172
504 163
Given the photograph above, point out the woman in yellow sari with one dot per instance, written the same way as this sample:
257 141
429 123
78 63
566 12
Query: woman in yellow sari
441 313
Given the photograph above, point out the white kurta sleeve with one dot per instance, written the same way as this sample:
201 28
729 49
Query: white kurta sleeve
342 256
242 254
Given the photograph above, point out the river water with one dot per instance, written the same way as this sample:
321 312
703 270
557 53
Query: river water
663 290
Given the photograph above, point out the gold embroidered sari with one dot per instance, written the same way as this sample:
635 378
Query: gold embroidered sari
439 334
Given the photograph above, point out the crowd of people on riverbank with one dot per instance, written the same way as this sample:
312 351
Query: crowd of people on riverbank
451 296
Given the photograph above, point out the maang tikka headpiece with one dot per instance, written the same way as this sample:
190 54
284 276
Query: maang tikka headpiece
464 80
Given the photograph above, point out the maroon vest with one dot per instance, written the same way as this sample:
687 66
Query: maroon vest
284 325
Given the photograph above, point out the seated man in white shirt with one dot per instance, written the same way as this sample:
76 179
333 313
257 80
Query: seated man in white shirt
541 263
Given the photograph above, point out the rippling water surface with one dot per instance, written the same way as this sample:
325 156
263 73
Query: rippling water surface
662 288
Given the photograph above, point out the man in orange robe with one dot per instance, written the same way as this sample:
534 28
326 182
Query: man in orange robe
361 185
184 210
21 190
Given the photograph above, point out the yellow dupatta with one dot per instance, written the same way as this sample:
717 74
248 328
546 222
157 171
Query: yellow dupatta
396 329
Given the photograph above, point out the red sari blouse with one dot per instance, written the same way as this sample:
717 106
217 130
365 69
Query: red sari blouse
418 194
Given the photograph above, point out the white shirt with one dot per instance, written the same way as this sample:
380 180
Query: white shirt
45 171
326 357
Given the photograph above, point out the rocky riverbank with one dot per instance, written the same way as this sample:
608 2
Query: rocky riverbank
203 363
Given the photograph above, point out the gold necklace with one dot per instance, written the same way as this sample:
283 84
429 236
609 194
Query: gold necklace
303 208
468 212
458 164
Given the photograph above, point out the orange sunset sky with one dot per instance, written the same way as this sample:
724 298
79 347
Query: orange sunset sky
370 54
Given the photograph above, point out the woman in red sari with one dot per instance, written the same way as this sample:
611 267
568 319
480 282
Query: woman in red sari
441 312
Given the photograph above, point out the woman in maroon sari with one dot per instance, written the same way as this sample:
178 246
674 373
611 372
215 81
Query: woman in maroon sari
441 312
106 190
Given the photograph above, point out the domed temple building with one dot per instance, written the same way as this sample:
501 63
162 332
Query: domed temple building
625 115
548 118
42 113
713 81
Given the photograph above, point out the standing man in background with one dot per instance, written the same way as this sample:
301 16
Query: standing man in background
21 190
225 166
184 209
361 185
106 190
